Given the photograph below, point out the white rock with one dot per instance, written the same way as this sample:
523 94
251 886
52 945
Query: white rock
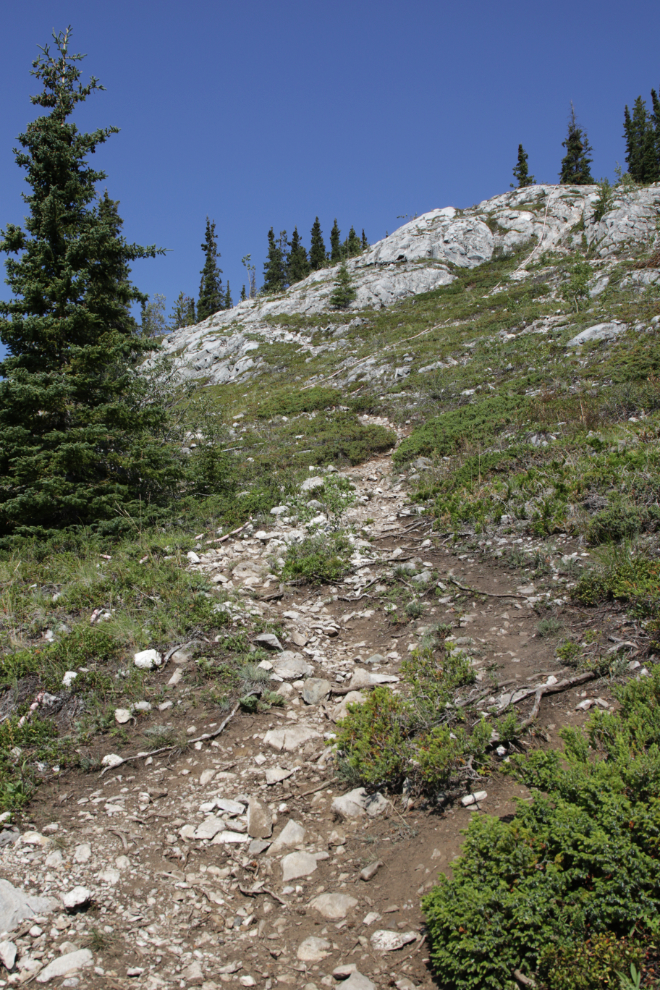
69 963
109 875
313 949
69 678
334 907
36 839
175 679
292 834
193 558
228 838
192 973
122 863
290 666
54 860
147 659
357 981
82 853
269 641
276 774
357 803
291 738
309 484
259 821
388 941
371 918
122 716
8 954
206 776
297 864
142 706
209 828
365 679
476 798
111 760
17 906
230 807
76 898
601 331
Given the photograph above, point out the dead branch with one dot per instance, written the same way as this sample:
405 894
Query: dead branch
488 594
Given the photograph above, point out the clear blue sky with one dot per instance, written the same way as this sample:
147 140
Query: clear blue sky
260 113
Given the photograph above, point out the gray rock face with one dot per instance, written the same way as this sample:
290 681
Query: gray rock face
602 331
17 906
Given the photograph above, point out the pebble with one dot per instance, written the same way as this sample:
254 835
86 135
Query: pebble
292 834
147 659
388 941
316 689
334 907
357 803
259 820
313 949
8 954
275 774
111 760
290 739
122 716
76 898
297 864
370 871
357 981
109 876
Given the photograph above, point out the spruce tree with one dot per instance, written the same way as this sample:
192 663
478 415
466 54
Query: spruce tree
575 170
352 245
243 293
77 441
521 169
297 263
365 242
183 312
335 243
317 252
275 275
343 292
640 132
211 296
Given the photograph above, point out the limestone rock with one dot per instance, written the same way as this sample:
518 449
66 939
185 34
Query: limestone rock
291 666
17 906
122 716
269 641
193 974
313 949
358 803
259 822
316 689
292 834
370 871
82 853
291 738
357 981
209 828
352 698
366 679
334 907
601 331
297 864
388 941
310 484
68 963
8 954
76 898
276 774
147 659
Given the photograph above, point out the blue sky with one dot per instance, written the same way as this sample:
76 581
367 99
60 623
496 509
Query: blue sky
260 113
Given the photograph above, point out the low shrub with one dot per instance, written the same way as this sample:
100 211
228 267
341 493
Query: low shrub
289 402
475 422
318 559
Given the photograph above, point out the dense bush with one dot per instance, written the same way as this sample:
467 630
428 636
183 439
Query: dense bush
475 422
318 559
574 870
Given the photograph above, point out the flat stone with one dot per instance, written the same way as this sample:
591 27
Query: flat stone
209 828
193 974
259 822
334 907
229 807
122 716
297 864
193 558
175 679
76 898
352 698
337 837
277 774
371 918
291 738
388 941
601 331
257 846
316 689
36 839
82 853
357 981
8 954
370 871
292 834
17 906
69 963
366 679
291 666
206 776
344 971
298 638
228 838
375 658
109 875
310 484
357 803
269 641
313 949
147 659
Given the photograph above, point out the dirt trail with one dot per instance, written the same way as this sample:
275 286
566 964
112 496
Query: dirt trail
228 864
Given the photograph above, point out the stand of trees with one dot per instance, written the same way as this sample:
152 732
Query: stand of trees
288 262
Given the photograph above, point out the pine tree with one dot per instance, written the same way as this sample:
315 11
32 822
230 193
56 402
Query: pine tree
211 296
343 292
243 293
641 134
365 242
275 274
335 243
183 312
77 441
352 245
521 170
298 263
317 252
575 164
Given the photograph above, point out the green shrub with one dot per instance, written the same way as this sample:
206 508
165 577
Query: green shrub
570 888
622 575
621 522
319 559
373 739
289 402
475 422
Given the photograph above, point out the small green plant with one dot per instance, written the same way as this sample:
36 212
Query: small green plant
319 559
605 198
632 982
414 609
576 289
549 627
343 292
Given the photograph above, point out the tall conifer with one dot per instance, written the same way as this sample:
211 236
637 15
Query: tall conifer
211 295
76 432
183 312
641 131
365 242
297 264
228 302
335 243
575 165
352 245
275 275
521 169
317 252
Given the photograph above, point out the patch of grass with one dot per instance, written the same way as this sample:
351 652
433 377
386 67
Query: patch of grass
549 627
291 402
318 559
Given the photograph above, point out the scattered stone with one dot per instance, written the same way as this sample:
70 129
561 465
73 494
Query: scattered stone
371 918
475 798
17 906
36 839
277 774
82 853
259 822
313 949
257 846
352 698
8 954
290 739
310 484
69 678
122 863
269 641
209 828
79 897
298 638
135 971
54 859
375 658
601 331
370 871
357 803
230 967
316 689
122 716
206 777
334 907
229 838
192 974
230 807
297 864
69 963
365 679
109 876
147 659
142 706
357 981
344 971
175 679
388 941
337 837
290 666
111 760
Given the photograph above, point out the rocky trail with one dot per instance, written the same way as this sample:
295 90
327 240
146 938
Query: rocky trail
244 859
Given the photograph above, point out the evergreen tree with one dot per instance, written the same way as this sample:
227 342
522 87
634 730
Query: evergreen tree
317 252
298 263
211 296
365 242
343 292
641 133
352 245
275 274
228 302
521 169
77 440
243 293
575 164
183 312
335 243
154 322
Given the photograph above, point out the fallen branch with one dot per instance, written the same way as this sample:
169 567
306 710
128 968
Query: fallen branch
262 890
570 682
233 532
120 835
488 594
319 787
165 749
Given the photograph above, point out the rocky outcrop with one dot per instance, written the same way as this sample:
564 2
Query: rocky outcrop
419 257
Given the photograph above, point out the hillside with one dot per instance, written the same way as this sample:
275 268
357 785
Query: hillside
438 507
